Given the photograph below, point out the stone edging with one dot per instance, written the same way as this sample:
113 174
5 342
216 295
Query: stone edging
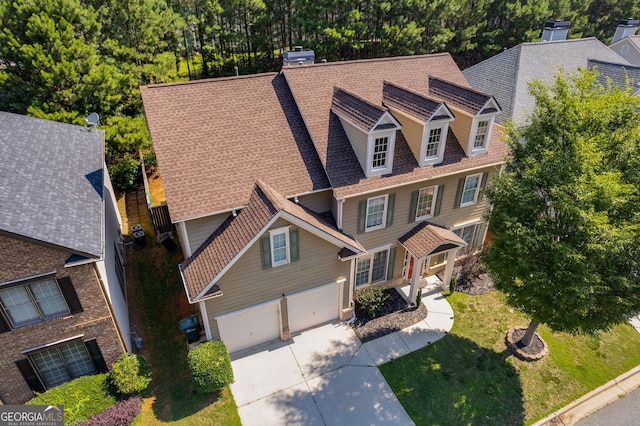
511 344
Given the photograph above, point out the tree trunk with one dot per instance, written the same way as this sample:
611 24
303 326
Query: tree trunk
531 331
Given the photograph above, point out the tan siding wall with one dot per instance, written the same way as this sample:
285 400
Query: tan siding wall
20 259
632 54
412 130
247 284
448 215
200 229
358 140
319 202
462 127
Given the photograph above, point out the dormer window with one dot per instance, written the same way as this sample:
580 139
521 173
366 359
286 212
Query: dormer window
435 138
481 134
380 150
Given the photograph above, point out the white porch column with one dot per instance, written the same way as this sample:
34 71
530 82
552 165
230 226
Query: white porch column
415 279
448 270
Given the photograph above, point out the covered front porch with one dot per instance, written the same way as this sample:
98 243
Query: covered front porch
429 248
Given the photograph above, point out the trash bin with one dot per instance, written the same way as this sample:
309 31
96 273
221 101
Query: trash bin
140 238
136 228
190 328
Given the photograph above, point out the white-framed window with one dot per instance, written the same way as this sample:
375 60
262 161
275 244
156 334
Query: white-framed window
33 302
470 190
61 363
280 246
380 152
426 202
372 268
482 133
624 50
433 142
469 234
435 261
376 213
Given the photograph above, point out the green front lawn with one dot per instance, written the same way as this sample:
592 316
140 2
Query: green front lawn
467 378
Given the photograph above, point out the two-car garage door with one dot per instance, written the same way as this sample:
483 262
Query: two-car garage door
261 323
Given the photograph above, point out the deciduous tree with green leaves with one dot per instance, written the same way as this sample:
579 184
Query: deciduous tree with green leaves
566 208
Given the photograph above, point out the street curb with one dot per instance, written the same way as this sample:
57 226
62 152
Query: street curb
594 400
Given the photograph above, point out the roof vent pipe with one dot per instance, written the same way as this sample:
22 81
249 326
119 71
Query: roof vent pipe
555 30
626 27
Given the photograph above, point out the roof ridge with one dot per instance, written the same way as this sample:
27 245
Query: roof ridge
370 60
469 89
381 108
569 40
210 80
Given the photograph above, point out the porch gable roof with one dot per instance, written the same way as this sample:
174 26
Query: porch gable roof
426 238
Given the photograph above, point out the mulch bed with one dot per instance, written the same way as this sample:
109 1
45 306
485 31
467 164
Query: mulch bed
394 316
531 352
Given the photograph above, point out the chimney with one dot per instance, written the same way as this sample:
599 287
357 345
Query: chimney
298 56
626 27
555 30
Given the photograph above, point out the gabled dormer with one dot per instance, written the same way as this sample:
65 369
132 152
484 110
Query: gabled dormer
475 114
371 130
425 122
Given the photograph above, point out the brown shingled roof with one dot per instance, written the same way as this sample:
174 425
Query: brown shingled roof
412 103
312 88
426 237
465 98
360 112
236 234
214 138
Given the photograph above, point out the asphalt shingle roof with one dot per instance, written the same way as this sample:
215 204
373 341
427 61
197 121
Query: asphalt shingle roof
425 238
506 74
465 98
357 110
214 138
228 241
312 88
51 183
617 73
414 104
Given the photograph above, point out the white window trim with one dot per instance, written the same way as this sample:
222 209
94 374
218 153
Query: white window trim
433 203
424 160
473 223
476 121
477 191
370 255
427 261
384 213
273 232
371 140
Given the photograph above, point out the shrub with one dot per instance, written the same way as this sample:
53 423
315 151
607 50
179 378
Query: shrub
453 283
125 174
419 297
82 397
210 366
130 374
371 299
121 414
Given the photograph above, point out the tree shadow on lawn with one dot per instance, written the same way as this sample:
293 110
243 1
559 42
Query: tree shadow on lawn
454 381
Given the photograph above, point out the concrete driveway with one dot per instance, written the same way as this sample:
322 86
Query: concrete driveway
323 376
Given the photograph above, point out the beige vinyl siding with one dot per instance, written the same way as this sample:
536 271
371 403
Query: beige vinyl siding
358 140
462 127
247 284
319 202
449 216
198 230
632 55
412 130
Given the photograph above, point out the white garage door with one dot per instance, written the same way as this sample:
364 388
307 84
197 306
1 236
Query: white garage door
249 327
313 307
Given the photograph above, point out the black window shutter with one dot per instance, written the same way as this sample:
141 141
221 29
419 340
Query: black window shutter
392 259
436 209
70 294
4 324
30 375
362 216
96 355
265 251
293 240
456 204
483 184
413 206
391 201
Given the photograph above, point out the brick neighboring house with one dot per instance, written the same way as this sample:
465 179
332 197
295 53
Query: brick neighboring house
291 190
63 312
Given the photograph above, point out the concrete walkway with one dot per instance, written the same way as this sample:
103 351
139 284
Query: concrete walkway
326 376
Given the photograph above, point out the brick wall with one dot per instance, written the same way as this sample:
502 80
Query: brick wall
22 259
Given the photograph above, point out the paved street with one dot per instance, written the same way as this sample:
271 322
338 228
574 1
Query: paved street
623 412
